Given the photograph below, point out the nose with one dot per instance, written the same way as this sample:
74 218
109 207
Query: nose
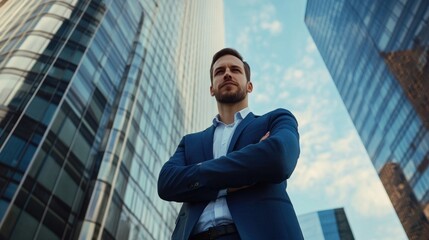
227 75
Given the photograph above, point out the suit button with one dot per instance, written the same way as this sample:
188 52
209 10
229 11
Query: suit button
194 185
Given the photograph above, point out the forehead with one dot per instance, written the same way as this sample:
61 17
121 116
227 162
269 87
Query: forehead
227 60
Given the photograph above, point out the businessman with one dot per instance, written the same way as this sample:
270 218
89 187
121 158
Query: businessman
231 177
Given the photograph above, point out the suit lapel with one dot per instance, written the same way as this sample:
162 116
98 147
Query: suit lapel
248 119
207 139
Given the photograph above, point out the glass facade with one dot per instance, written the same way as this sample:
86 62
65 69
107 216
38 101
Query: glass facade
377 53
94 97
329 224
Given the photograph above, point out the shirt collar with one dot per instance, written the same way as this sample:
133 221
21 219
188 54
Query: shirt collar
240 115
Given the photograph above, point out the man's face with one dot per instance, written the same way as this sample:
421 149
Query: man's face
229 80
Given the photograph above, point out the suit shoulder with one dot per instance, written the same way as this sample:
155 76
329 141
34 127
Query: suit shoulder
198 134
280 111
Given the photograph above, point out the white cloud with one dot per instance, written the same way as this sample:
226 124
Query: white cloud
388 233
369 197
332 160
298 73
311 46
307 61
271 67
267 12
310 83
307 176
278 68
243 38
262 98
283 95
266 66
265 20
347 143
274 27
338 169
333 169
293 74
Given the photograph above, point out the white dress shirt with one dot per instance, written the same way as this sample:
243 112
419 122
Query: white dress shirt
216 212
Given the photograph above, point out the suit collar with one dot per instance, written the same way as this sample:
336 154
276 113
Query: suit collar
242 114
209 132
208 142
248 119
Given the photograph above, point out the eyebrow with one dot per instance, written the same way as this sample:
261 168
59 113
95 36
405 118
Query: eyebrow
223 67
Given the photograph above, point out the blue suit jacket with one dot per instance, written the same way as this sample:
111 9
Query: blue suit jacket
262 211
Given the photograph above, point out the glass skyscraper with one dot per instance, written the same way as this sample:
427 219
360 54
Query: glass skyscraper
377 53
94 97
329 224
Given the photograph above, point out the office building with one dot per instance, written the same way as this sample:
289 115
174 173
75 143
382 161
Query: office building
94 97
403 200
377 53
329 224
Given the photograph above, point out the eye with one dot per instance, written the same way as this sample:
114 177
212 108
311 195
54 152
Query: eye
237 70
218 71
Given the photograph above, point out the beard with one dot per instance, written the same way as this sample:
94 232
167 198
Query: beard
231 97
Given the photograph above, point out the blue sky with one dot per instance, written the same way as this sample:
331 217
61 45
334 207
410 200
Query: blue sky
287 71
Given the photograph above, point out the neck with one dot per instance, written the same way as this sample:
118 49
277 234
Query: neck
227 111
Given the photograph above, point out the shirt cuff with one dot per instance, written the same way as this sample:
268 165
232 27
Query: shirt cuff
222 193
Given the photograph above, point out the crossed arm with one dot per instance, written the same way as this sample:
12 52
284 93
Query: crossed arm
235 189
269 161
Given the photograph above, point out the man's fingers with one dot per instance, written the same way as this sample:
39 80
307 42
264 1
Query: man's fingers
231 190
265 136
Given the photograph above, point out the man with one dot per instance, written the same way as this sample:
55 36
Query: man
231 177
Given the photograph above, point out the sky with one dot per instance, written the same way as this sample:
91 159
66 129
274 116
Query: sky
334 169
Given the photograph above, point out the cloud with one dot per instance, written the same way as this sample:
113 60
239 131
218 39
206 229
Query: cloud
334 167
283 95
308 175
333 159
388 233
307 62
262 98
274 27
347 143
267 12
298 73
265 20
312 82
261 20
333 162
311 46
369 198
243 38
293 73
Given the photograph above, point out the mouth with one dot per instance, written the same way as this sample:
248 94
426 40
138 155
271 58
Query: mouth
227 83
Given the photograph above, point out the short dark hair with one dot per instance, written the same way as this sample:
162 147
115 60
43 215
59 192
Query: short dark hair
233 52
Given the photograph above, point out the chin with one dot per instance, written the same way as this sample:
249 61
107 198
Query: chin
230 98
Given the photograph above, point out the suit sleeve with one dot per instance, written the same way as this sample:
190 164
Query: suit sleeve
270 161
179 182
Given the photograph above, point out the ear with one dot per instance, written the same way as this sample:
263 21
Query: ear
211 90
249 87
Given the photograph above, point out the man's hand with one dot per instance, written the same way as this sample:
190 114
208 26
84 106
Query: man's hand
265 136
231 190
